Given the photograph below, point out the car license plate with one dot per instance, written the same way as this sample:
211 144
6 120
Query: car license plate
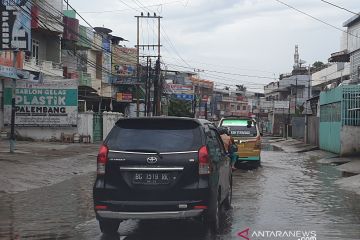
152 178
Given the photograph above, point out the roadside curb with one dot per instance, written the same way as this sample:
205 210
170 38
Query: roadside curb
293 146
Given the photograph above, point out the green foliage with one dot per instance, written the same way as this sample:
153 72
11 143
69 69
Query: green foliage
241 87
180 108
317 66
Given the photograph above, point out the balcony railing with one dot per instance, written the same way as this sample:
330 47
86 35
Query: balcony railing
47 67
85 79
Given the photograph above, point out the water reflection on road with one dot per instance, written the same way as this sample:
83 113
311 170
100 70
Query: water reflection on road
289 192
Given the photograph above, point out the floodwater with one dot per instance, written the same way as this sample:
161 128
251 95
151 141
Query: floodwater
290 192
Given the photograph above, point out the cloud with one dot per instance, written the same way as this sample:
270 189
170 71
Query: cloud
244 36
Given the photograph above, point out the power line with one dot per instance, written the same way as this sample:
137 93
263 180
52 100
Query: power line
226 73
89 62
132 8
67 2
165 35
168 40
315 18
333 4
86 40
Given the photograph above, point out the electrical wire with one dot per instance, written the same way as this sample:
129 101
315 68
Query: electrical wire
123 10
94 65
227 73
91 63
90 42
315 18
167 38
337 6
165 35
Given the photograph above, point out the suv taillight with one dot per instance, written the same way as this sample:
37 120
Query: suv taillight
102 159
204 161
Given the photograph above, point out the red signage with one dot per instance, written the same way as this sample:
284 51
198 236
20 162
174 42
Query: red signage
123 97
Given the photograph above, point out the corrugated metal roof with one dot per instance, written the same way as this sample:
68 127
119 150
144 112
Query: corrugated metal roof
351 21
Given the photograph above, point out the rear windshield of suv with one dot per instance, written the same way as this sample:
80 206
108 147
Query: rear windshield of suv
155 135
239 128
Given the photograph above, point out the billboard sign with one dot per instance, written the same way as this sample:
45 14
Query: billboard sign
124 80
53 104
11 72
124 61
15 25
182 96
202 83
171 88
124 97
281 104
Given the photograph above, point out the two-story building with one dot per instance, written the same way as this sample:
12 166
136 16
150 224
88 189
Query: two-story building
230 103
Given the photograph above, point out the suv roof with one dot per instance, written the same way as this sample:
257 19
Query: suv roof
202 122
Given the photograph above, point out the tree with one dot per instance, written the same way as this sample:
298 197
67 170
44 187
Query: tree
317 66
241 88
180 108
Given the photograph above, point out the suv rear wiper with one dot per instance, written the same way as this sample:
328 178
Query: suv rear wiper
145 151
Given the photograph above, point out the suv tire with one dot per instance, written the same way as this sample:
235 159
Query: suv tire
212 219
109 226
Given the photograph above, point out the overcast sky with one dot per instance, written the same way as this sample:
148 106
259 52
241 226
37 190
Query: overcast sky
245 37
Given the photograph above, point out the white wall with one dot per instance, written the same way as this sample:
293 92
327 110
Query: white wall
109 120
350 140
291 80
85 124
353 41
330 73
84 127
43 133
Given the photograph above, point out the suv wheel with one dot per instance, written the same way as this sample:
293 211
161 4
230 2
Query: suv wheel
109 226
228 199
212 219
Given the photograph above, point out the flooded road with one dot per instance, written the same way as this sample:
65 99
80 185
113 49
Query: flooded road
290 192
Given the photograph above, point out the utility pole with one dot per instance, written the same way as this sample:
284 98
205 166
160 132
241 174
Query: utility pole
309 85
146 86
158 76
157 80
137 67
307 104
13 108
296 88
149 88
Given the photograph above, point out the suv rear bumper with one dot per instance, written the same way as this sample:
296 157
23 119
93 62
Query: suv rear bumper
149 215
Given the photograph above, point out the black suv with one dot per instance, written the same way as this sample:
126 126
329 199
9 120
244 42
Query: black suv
161 168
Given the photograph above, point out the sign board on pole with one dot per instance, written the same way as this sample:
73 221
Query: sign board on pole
53 104
124 97
8 72
281 104
15 25
171 88
188 97
11 72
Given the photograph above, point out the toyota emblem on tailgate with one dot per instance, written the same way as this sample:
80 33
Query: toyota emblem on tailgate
151 160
